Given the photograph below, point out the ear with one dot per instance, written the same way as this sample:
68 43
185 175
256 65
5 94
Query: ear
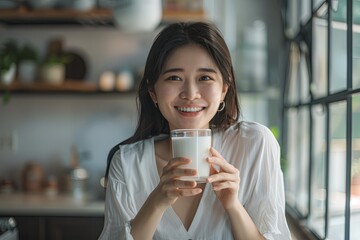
224 91
152 95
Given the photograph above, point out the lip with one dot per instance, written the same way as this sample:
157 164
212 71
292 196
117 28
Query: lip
189 110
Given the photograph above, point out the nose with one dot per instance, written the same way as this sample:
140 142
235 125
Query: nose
190 91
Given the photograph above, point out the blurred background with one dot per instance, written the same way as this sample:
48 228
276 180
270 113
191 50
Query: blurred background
68 77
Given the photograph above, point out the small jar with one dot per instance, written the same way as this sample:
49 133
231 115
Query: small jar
33 178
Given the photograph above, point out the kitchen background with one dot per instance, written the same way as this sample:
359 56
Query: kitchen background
44 127
53 126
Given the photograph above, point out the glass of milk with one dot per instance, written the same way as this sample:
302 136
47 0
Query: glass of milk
194 144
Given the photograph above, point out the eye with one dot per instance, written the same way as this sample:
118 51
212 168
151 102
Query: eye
173 78
206 78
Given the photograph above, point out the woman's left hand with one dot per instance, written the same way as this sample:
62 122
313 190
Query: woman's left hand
225 181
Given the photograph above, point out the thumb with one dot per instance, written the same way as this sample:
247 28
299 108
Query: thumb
213 170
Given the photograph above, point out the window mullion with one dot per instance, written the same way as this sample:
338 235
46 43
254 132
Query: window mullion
327 169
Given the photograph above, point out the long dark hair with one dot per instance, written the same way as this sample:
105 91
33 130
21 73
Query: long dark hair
151 122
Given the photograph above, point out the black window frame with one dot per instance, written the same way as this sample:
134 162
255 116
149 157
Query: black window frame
304 36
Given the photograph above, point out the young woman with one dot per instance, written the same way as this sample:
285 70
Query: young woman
189 83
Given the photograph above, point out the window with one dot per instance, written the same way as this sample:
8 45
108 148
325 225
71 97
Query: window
321 117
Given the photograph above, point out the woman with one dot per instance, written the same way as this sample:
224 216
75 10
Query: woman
189 82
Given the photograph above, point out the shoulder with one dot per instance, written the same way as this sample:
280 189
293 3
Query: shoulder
127 157
248 132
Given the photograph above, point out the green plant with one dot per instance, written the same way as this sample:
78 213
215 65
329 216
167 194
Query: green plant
283 161
57 59
8 55
28 52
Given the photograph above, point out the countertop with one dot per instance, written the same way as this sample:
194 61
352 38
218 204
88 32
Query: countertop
20 204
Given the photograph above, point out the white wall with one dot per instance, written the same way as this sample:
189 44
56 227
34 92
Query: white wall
104 48
48 125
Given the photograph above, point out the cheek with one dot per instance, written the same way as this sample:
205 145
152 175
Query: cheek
165 94
212 94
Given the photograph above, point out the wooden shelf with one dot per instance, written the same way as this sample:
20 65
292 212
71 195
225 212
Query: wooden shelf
172 16
24 16
24 13
97 16
66 86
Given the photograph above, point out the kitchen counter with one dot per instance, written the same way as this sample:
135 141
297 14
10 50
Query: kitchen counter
20 204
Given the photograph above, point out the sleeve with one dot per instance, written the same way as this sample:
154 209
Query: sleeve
267 203
119 209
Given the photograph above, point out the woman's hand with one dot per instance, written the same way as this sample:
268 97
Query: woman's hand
225 181
170 187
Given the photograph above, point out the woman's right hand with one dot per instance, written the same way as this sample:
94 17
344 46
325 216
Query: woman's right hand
171 187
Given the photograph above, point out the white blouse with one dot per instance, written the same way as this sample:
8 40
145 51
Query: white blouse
249 146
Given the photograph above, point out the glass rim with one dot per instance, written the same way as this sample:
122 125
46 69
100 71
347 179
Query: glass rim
190 132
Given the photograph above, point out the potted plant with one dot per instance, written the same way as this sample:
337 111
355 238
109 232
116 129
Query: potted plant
355 177
28 62
53 69
8 60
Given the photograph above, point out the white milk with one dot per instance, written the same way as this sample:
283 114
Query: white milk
197 149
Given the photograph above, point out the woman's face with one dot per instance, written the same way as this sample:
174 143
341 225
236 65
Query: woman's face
189 89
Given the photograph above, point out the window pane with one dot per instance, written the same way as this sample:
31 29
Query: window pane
305 10
297 174
317 3
338 48
337 171
293 93
292 172
302 161
320 56
355 176
304 79
254 107
293 17
356 56
317 214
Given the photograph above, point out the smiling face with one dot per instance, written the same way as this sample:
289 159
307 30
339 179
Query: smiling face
189 89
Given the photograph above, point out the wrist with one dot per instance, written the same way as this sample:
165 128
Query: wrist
158 200
234 207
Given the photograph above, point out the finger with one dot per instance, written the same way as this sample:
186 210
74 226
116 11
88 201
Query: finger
213 169
176 162
189 192
214 152
218 186
185 192
178 184
217 159
223 164
223 176
176 173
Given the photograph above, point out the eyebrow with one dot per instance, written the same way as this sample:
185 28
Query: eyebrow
182 70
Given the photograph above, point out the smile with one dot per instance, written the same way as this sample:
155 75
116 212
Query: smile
190 109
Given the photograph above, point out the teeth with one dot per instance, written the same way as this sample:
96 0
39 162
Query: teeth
191 109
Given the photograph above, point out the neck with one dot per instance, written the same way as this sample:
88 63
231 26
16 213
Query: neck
163 149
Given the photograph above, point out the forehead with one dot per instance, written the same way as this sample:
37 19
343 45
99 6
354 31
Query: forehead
190 55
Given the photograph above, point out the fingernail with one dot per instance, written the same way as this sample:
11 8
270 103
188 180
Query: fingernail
209 159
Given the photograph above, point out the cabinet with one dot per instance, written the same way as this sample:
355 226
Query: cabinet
59 228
